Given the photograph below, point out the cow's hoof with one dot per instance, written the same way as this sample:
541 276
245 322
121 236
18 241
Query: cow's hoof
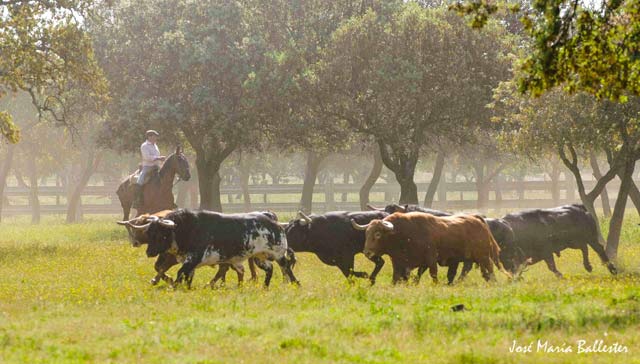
612 268
154 281
589 268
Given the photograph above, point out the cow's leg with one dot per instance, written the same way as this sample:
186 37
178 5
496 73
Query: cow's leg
188 268
162 265
346 266
486 267
285 264
379 262
221 275
252 267
551 264
603 256
452 271
267 267
126 211
399 273
585 258
433 271
239 268
466 268
418 276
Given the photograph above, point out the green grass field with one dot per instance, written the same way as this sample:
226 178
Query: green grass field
81 294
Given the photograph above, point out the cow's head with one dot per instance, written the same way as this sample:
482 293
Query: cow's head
377 234
137 227
161 234
513 259
298 231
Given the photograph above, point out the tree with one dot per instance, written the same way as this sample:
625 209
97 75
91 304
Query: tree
400 76
295 33
573 126
575 44
183 67
45 51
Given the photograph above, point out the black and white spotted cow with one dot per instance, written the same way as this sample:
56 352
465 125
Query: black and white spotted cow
205 238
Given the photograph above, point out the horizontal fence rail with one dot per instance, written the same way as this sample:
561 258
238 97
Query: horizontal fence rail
285 197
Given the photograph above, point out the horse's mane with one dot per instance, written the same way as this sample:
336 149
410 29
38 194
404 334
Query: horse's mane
165 165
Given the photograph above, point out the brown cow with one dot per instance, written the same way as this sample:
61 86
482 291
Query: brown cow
421 240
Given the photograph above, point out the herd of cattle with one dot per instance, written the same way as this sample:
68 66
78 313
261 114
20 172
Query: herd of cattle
413 238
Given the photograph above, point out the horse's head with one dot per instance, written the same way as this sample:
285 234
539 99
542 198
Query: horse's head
180 164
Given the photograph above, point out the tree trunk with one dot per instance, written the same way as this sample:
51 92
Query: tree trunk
345 181
615 225
635 195
310 175
482 188
4 173
244 185
435 180
91 164
604 196
555 183
365 190
183 190
209 183
34 202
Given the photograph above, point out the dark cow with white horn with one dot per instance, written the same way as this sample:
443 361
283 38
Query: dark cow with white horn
332 238
202 238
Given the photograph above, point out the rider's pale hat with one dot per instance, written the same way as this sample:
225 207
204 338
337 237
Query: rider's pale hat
151 132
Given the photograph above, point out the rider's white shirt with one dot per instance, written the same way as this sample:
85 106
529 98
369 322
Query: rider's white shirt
149 152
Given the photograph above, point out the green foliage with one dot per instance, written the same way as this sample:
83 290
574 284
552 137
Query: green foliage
46 52
579 45
7 128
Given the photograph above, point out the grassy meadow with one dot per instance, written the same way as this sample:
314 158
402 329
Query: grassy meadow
81 294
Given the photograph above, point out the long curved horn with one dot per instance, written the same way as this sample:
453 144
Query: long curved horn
387 225
373 208
358 226
304 217
167 223
140 227
283 224
127 222
398 208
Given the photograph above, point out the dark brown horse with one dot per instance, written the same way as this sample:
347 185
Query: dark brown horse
158 194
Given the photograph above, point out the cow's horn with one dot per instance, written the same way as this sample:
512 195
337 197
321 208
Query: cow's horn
304 217
167 223
358 226
153 218
283 224
400 208
127 222
140 227
373 208
387 225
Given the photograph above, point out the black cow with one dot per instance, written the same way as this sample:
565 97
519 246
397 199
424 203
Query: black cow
393 208
332 238
500 229
542 232
208 238
137 229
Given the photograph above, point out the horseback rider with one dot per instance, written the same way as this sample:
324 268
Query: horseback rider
151 159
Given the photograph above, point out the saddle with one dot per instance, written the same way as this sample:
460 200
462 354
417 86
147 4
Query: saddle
133 178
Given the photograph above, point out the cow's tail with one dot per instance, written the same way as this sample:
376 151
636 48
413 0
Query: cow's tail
495 256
